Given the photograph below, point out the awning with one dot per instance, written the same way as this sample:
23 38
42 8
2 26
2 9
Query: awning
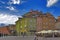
48 31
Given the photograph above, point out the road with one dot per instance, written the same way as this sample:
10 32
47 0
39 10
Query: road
26 38
17 38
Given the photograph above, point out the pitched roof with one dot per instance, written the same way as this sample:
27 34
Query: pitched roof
4 30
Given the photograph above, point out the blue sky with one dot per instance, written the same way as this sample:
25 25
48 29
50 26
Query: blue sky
10 10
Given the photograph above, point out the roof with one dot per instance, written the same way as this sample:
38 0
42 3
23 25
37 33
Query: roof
49 14
32 13
4 30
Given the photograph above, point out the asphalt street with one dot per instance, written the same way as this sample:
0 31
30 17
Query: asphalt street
26 38
17 38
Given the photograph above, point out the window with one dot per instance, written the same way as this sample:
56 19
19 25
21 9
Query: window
21 26
25 25
31 20
46 23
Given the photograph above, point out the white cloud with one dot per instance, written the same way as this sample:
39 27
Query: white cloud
51 2
11 8
8 19
15 2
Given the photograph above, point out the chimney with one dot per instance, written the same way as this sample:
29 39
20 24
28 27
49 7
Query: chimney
31 10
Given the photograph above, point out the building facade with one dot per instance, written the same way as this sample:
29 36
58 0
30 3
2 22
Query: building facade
12 29
57 24
35 21
33 17
45 22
